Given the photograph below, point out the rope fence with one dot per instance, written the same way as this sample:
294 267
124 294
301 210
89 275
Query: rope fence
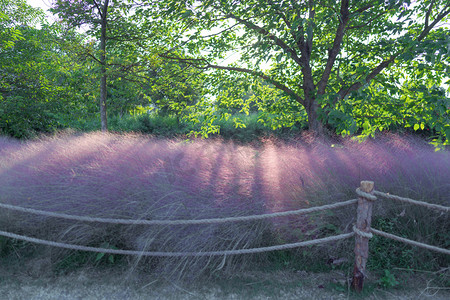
411 201
362 230
410 242
179 222
180 254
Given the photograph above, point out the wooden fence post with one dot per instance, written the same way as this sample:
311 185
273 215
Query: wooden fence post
363 221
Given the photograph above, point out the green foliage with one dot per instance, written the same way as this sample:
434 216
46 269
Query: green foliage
110 258
21 119
388 280
173 58
13 15
150 124
387 254
358 69
30 95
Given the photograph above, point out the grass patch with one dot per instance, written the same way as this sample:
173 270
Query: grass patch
140 177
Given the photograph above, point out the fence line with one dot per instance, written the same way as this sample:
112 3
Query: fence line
371 197
410 242
178 254
362 230
179 222
411 201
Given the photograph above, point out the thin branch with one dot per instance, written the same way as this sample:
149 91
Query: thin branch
324 4
281 14
427 29
277 84
357 85
270 36
124 38
93 57
368 22
206 65
100 11
364 8
309 42
427 16
371 117
220 32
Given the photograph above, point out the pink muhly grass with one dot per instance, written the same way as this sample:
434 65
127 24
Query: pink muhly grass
136 177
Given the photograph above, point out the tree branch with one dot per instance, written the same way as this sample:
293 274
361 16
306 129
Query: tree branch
93 57
333 52
220 32
194 62
427 15
427 29
124 38
282 15
270 36
357 85
368 22
364 8
344 91
100 11
309 41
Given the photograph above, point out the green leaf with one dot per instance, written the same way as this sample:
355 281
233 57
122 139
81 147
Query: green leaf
416 127
99 256
186 14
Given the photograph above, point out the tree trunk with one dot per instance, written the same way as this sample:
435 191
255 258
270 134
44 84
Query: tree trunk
311 107
103 115
314 123
103 92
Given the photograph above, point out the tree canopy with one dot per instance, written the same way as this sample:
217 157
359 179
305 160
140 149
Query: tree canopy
349 67
348 64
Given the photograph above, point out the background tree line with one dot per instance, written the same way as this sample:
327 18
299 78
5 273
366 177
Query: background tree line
344 67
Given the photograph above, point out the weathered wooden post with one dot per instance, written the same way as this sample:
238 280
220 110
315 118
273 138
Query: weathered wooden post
362 230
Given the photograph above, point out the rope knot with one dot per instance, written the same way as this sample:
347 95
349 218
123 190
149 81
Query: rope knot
368 235
366 195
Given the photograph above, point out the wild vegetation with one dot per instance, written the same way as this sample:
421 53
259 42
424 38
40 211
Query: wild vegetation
224 108
137 177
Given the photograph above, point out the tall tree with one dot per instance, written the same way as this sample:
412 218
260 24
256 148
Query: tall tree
98 16
318 53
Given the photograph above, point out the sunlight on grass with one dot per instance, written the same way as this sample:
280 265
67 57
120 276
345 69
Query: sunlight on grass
136 177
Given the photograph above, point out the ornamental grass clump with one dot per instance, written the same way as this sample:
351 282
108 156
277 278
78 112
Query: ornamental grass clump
133 177
140 177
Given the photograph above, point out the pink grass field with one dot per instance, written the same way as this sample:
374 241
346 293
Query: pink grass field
138 177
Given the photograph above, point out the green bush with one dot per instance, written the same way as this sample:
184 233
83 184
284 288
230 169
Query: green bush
149 124
24 118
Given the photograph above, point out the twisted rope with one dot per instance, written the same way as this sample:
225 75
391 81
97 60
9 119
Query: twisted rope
368 235
178 222
178 254
410 242
411 201
366 195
